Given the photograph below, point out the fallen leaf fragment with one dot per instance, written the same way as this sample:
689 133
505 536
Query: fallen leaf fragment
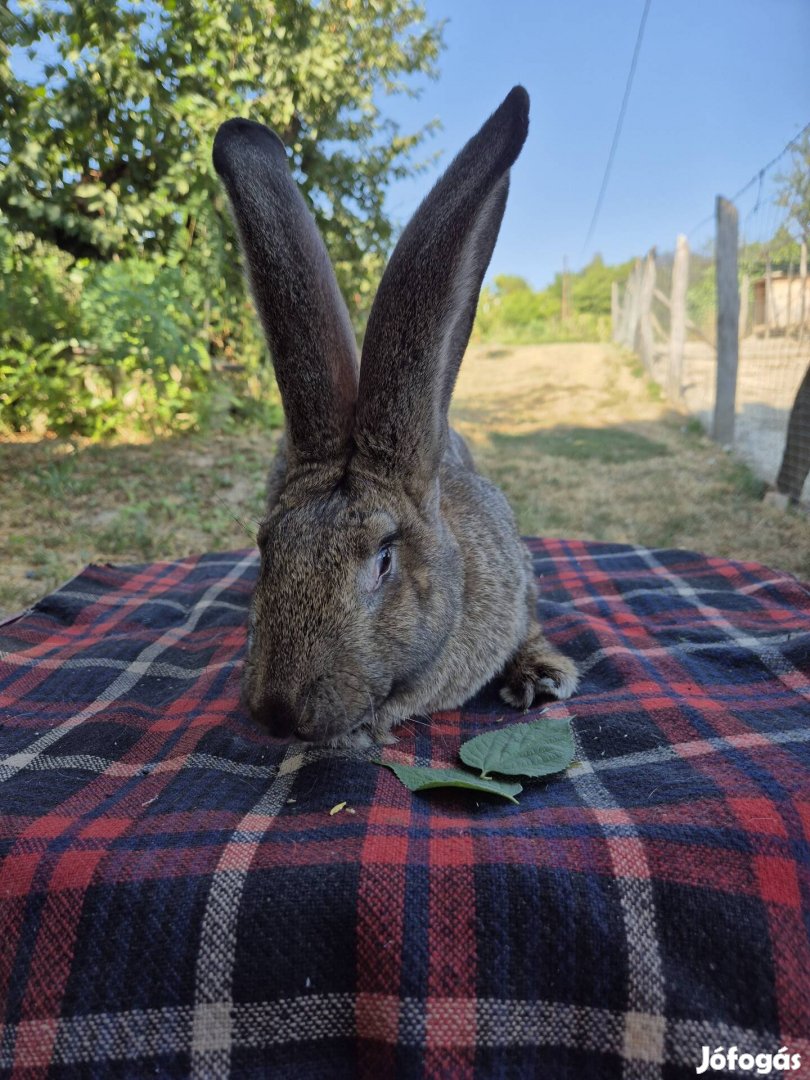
420 778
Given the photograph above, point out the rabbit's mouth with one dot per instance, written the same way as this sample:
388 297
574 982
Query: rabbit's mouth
319 716
371 729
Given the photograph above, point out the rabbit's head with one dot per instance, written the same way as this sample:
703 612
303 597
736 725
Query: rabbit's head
361 581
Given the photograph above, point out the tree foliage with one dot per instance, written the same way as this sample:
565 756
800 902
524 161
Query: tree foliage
110 151
105 157
794 192
512 312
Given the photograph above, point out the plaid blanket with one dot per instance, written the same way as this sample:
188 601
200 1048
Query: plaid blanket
176 898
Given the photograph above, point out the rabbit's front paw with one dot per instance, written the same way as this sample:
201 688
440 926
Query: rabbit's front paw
538 669
359 739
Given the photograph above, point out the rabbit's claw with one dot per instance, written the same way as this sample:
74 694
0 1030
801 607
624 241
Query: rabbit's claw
538 670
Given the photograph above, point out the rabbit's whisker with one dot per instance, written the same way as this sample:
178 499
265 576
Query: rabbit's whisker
238 520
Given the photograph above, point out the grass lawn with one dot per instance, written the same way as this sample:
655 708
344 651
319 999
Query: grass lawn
581 443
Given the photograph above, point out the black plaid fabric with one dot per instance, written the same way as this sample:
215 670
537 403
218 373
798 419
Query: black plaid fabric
176 898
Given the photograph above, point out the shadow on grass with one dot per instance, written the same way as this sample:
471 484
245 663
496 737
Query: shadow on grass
610 445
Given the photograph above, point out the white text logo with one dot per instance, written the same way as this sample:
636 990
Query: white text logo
731 1060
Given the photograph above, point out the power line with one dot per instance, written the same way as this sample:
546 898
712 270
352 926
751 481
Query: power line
619 122
757 178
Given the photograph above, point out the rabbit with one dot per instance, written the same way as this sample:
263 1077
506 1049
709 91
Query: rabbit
392 579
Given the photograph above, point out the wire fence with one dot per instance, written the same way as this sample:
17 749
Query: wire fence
723 323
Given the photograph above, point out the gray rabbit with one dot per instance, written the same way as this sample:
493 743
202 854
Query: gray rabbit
393 581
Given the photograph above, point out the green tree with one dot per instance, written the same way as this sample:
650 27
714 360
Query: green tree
794 192
108 153
590 288
123 304
511 283
783 252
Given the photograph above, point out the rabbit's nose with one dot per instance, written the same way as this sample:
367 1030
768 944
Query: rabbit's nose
276 714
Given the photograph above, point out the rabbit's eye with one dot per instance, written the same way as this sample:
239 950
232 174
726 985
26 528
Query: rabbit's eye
384 560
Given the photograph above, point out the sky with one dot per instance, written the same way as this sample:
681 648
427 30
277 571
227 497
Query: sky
721 86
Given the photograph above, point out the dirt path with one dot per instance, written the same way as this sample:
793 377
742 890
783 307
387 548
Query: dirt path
586 447
581 444
531 387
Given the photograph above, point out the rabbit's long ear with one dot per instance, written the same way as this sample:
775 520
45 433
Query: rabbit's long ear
423 313
304 316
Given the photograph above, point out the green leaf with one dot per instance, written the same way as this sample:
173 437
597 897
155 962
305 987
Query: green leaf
87 190
420 778
535 749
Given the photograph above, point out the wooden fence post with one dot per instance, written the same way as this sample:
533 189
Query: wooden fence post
645 330
626 330
627 308
803 279
745 289
728 317
677 318
635 306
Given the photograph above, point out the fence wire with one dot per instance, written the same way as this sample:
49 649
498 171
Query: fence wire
774 336
772 400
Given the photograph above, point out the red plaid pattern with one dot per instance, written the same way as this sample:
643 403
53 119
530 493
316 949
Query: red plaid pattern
176 899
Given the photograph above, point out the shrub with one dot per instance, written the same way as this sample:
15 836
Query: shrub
512 313
121 347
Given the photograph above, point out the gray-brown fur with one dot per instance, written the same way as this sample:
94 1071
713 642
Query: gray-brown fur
296 294
341 648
